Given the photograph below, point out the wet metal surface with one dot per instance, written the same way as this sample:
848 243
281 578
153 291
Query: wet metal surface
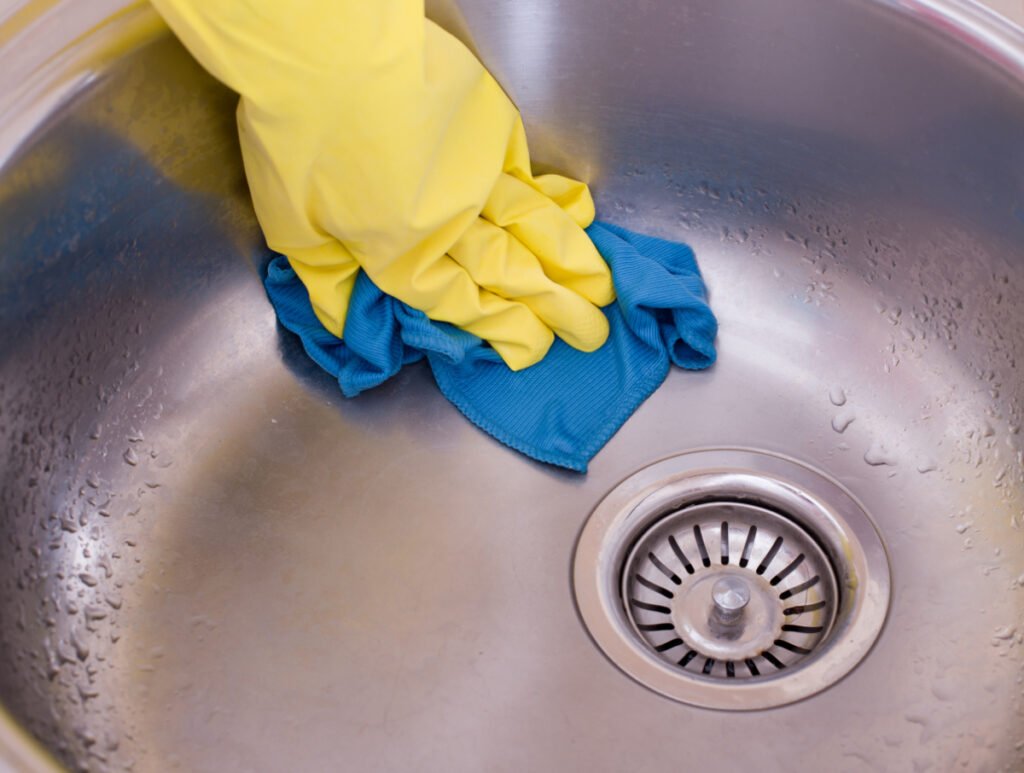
210 560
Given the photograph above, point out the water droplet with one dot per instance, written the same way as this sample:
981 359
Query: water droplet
837 395
927 464
842 420
88 579
877 455
104 563
65 654
131 457
917 719
81 648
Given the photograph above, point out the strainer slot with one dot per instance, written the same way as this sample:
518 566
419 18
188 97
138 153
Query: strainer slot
799 610
800 588
792 647
770 555
701 547
664 569
748 546
773 660
680 555
802 628
788 570
654 587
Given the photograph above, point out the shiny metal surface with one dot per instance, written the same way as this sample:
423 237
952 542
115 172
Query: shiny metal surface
211 561
730 596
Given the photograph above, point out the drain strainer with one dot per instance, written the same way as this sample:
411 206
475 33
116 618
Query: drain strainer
717 588
732 579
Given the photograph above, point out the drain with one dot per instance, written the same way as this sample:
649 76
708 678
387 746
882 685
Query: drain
729 590
732 579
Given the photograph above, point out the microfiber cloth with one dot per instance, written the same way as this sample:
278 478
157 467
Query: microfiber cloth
566 407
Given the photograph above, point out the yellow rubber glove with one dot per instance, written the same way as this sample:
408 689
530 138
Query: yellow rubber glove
373 139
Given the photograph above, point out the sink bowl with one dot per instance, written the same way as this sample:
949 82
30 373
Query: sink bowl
210 560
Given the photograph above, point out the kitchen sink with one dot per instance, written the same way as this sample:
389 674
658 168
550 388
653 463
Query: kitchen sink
211 560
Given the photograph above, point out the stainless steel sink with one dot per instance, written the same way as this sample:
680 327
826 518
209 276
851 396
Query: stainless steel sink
209 560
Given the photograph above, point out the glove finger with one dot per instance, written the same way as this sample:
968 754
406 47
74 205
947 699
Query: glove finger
445 292
329 273
499 262
571 195
563 249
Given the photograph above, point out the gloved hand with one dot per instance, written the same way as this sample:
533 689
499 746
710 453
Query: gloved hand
373 139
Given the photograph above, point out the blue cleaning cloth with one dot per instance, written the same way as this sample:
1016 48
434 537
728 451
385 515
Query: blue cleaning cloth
561 410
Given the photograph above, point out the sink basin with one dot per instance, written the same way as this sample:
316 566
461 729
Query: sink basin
210 560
